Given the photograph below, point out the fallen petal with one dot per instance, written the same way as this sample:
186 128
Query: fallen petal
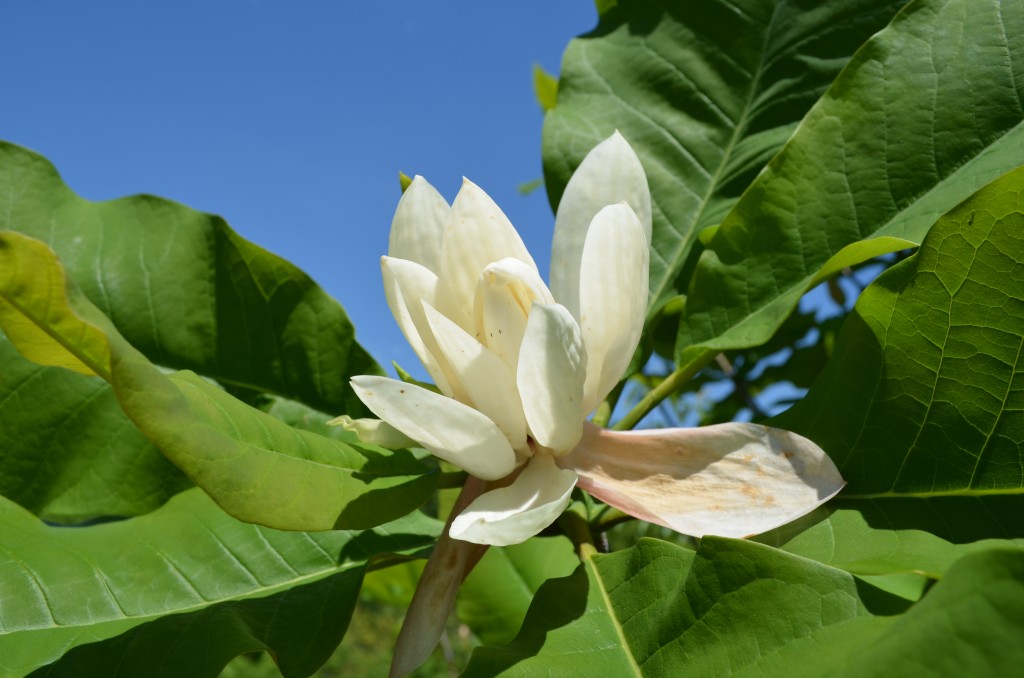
730 480
448 429
513 514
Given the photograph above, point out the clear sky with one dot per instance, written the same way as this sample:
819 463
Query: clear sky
292 119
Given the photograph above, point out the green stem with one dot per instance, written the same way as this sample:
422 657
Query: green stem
604 411
672 383
577 529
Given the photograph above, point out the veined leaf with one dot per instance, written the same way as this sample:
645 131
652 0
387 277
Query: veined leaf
926 112
115 599
706 93
188 291
496 595
68 452
922 397
739 608
920 405
256 467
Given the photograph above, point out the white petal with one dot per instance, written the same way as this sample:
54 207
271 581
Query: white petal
419 225
730 480
406 285
513 514
374 431
479 234
613 298
552 368
447 428
609 174
432 604
505 292
489 383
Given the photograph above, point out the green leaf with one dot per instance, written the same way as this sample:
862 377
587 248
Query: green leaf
739 608
68 452
185 577
922 397
496 595
902 536
706 93
187 291
927 111
545 88
257 468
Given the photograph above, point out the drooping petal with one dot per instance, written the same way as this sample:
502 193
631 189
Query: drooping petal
489 383
613 297
610 173
406 285
505 292
730 480
448 429
513 514
479 234
552 368
418 226
374 431
432 604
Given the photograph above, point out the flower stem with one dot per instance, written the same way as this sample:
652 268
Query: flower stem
666 388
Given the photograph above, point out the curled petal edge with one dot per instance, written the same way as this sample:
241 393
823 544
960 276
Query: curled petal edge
512 514
730 480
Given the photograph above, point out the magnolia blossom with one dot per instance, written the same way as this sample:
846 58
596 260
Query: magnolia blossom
520 365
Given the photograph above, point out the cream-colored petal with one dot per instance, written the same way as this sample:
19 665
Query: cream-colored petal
730 480
479 234
374 432
418 226
513 514
448 429
552 368
609 174
432 604
505 292
489 384
613 298
406 285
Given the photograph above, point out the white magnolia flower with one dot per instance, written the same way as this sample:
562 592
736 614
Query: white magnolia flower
521 365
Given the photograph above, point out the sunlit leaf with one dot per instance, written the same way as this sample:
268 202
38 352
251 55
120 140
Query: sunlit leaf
121 596
925 113
188 291
738 608
706 93
257 468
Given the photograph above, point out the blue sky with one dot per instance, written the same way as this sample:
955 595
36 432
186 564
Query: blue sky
292 119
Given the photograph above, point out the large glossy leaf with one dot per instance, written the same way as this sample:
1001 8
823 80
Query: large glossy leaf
68 452
923 396
494 598
903 536
180 591
738 608
188 291
255 466
706 92
925 113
